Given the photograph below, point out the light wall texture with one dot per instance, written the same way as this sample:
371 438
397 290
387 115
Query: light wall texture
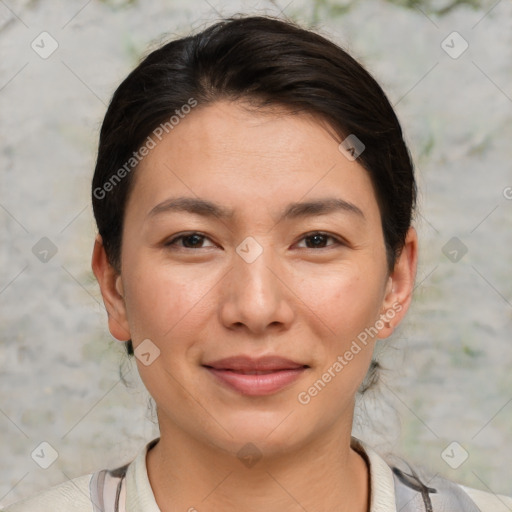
65 380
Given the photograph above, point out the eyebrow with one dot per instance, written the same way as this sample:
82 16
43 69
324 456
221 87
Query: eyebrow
207 208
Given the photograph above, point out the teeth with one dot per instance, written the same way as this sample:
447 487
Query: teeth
258 372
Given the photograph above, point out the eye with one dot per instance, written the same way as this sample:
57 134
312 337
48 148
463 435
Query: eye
189 241
318 240
195 240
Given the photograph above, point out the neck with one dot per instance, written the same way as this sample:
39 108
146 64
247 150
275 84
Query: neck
324 474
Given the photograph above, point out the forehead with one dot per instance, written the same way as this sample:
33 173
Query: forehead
245 158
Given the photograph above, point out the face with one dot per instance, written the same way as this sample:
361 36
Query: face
254 279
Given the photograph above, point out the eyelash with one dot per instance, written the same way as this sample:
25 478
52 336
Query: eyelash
337 241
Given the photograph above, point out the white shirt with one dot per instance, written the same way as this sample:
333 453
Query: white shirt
134 493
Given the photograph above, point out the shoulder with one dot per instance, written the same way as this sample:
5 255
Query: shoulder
71 495
487 501
416 485
398 485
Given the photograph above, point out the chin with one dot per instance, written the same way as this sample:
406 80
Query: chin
271 433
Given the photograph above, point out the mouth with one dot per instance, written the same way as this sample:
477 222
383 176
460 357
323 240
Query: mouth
254 372
246 364
256 376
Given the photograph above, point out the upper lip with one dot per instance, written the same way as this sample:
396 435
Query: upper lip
247 364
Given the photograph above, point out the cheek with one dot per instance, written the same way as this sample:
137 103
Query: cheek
160 300
345 306
344 301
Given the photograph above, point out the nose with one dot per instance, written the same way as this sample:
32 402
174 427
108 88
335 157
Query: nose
255 296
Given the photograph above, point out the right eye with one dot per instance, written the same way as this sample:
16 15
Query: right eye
188 241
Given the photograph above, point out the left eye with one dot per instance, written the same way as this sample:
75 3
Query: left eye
318 240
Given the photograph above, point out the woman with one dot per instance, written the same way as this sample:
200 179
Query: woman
254 196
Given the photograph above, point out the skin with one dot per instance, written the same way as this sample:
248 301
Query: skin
199 301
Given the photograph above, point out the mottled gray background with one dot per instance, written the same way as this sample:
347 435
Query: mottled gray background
449 377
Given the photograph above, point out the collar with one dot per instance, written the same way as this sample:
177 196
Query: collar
382 487
140 497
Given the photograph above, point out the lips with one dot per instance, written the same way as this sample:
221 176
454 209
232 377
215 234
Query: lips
256 376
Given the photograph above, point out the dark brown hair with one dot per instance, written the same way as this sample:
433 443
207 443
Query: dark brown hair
268 62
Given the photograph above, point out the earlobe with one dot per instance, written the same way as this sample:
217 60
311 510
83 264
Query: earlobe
111 288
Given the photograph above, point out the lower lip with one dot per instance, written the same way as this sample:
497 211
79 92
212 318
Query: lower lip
257 385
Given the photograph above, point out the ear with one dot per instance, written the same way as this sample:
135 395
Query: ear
111 287
400 285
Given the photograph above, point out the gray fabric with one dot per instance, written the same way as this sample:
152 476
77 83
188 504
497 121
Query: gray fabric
415 493
105 487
